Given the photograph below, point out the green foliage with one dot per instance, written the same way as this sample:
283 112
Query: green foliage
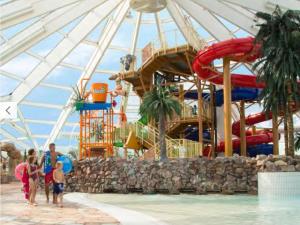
160 105
158 100
77 98
279 66
297 142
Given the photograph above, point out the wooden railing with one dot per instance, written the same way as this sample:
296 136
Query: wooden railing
188 113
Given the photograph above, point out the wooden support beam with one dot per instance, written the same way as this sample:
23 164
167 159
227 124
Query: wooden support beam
243 129
175 72
181 93
227 107
275 134
189 62
142 82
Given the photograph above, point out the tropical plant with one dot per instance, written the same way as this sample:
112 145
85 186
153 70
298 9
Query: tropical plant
159 105
77 98
279 66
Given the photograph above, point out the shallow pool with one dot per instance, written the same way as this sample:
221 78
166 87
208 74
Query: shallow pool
208 209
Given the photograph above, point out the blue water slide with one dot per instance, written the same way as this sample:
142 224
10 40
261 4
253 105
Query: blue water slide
261 149
192 133
237 94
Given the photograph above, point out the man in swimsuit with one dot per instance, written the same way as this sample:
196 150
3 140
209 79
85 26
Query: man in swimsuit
49 160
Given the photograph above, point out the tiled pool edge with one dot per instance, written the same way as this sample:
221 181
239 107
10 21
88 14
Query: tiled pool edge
278 185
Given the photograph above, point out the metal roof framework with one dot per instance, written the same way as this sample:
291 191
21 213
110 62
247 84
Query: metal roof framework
221 19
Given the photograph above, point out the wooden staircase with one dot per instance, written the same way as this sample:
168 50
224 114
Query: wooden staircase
148 136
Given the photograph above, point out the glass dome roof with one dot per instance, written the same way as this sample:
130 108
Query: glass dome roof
47 46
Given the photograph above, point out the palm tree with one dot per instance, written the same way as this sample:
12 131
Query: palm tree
279 66
159 105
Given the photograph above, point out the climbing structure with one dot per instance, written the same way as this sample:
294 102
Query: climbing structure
97 116
172 67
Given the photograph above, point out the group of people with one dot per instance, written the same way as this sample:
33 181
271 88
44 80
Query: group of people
52 172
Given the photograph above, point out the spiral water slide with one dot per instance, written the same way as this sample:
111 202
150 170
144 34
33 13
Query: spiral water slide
241 49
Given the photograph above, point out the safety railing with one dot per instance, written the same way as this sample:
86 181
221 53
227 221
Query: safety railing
173 40
189 112
183 148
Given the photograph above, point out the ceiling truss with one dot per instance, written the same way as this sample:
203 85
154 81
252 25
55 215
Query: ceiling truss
50 16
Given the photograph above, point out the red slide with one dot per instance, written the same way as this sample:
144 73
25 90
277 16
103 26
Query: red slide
241 49
260 137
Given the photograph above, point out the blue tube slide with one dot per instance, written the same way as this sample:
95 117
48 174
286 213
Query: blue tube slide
237 94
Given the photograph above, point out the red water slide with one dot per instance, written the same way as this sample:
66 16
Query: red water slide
259 137
241 49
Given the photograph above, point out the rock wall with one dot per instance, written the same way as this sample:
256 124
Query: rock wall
200 176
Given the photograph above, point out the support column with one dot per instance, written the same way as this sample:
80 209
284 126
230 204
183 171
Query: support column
200 114
181 93
275 134
243 129
80 135
227 107
212 119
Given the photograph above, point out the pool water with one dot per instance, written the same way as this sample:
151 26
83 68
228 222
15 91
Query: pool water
188 209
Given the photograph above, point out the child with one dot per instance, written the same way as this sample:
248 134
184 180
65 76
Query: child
58 186
33 171
25 176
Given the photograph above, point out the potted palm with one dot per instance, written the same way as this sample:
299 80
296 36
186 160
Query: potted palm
77 99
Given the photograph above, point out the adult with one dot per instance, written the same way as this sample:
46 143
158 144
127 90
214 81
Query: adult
49 160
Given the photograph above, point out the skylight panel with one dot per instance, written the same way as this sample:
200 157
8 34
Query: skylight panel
12 31
39 113
7 85
69 27
21 66
48 95
80 55
111 60
96 33
44 47
63 76
37 129
123 37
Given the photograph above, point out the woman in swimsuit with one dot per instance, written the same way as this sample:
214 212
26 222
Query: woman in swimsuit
25 176
33 171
